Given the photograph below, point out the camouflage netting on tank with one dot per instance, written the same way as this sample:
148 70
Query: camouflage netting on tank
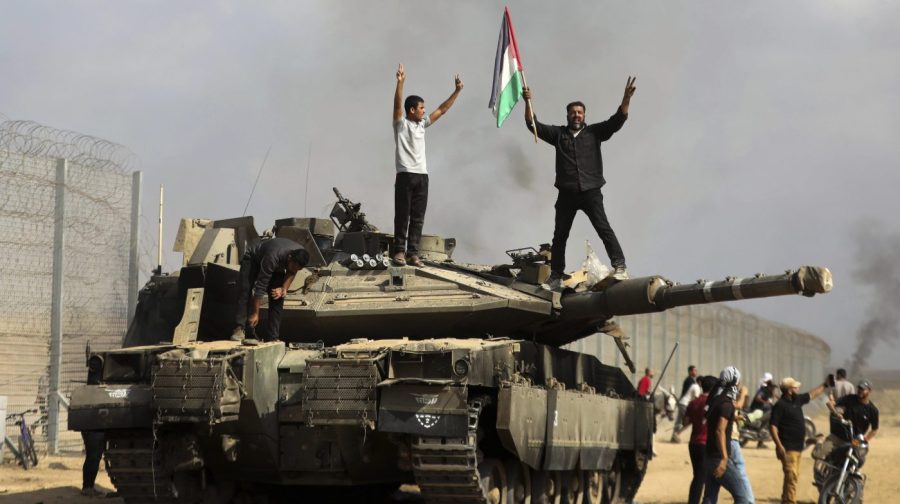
97 225
712 337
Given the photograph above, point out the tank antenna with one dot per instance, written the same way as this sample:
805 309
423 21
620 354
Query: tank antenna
159 240
671 354
306 189
266 158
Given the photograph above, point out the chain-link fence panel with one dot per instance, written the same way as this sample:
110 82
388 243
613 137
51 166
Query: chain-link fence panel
96 225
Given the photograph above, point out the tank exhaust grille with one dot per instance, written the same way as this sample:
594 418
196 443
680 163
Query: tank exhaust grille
204 391
340 392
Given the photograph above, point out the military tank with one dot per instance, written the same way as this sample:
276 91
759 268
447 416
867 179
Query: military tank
451 376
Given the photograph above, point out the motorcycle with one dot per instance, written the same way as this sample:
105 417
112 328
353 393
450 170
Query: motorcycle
837 474
755 427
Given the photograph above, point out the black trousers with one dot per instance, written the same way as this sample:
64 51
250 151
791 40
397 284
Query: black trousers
249 273
591 203
410 201
94 446
697 452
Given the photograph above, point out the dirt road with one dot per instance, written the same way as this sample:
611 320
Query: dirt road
58 479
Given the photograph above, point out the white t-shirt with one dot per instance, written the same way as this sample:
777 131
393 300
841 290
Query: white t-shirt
843 388
692 393
409 138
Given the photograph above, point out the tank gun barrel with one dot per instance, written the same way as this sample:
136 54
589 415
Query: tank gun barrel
654 294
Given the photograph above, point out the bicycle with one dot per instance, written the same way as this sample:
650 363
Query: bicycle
25 453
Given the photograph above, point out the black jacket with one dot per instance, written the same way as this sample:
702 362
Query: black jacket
579 165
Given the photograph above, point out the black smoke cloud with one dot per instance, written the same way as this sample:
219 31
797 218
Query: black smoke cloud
879 270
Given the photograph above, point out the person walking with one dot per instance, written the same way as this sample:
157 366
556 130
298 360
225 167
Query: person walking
411 182
645 383
788 428
695 416
579 177
719 470
690 390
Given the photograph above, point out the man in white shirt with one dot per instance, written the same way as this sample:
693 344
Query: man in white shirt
842 386
411 185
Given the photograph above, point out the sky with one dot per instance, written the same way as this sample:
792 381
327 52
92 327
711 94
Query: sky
761 137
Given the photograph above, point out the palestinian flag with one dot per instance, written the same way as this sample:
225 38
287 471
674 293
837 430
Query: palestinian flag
508 77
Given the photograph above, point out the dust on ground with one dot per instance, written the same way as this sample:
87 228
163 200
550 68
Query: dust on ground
58 479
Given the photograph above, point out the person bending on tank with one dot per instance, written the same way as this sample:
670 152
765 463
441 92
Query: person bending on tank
267 270
579 178
411 183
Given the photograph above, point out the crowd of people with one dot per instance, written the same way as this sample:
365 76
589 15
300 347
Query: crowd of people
712 407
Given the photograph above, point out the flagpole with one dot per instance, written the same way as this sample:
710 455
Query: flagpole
531 108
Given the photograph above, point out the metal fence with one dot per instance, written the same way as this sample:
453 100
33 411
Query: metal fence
69 210
712 337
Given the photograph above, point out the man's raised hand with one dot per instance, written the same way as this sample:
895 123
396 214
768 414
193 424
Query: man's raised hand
401 75
629 88
458 82
629 92
526 93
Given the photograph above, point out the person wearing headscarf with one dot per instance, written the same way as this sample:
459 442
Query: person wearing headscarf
719 468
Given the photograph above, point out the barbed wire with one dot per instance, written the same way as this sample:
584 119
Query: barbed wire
96 252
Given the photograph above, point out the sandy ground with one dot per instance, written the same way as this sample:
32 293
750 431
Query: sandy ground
58 479
669 475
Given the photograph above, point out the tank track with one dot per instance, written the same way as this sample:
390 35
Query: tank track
135 468
446 468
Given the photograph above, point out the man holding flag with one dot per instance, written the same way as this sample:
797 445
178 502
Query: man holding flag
579 177
579 165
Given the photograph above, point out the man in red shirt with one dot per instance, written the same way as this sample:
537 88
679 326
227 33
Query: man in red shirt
695 415
644 383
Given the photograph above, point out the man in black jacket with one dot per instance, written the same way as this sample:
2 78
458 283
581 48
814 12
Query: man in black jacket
267 270
579 177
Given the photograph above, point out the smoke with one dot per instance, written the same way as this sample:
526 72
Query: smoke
879 269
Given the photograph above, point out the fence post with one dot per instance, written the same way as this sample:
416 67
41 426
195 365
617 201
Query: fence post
56 307
134 265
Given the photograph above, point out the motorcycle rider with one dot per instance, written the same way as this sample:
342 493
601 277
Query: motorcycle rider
761 406
859 410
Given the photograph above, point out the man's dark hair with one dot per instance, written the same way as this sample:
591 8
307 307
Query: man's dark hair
707 383
842 373
575 104
412 101
299 256
691 368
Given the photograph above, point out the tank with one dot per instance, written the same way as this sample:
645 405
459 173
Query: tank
451 377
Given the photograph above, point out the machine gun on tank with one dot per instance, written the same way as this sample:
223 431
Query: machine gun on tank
347 215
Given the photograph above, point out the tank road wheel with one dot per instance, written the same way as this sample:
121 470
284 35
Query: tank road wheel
545 487
573 488
518 478
593 487
493 481
612 485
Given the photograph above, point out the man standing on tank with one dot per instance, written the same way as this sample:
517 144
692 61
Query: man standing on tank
267 270
411 184
579 177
